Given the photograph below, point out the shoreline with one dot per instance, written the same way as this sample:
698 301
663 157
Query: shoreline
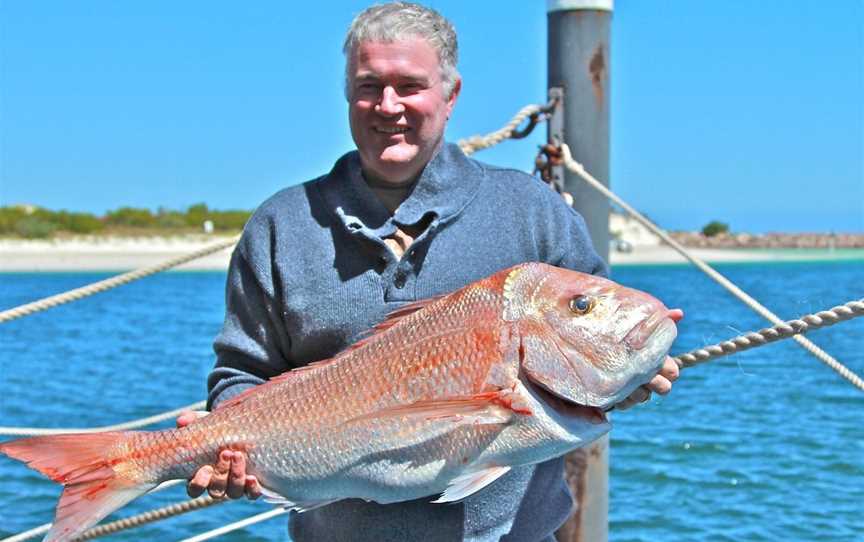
125 254
663 255
114 254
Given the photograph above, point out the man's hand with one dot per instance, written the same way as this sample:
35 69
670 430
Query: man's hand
227 478
661 383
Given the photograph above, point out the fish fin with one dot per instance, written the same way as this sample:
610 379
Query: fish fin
394 318
92 490
389 321
483 408
409 308
469 483
273 497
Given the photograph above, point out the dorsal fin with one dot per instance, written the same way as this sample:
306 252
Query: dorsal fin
389 321
392 319
293 373
405 310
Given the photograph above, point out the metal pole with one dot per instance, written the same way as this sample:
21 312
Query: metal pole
579 64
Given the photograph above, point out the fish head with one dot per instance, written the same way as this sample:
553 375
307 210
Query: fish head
585 339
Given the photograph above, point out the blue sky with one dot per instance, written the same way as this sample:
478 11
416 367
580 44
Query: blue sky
751 112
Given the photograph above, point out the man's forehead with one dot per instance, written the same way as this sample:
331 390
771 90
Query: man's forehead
412 56
414 75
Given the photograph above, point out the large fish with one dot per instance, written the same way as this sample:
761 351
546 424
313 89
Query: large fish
442 398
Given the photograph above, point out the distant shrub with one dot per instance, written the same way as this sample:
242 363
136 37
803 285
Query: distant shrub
71 222
31 227
9 217
222 220
83 223
130 216
230 220
34 222
168 219
197 214
715 227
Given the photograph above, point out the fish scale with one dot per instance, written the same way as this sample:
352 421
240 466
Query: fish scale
440 399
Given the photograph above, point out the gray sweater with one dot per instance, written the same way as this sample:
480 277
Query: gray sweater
311 274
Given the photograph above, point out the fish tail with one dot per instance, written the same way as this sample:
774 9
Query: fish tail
92 486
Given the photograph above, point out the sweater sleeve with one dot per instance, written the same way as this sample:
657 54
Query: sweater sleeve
578 251
254 343
565 241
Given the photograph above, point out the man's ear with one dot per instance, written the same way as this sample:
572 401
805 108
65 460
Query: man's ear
451 100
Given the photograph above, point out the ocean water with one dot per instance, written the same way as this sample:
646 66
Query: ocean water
764 445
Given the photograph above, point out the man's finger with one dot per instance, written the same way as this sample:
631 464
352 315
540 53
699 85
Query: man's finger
253 488
237 476
189 416
660 384
639 395
200 481
219 481
670 369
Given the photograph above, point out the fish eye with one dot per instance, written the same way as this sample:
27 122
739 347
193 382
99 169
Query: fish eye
581 304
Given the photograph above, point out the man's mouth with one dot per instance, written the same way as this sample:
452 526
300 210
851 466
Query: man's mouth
564 407
391 129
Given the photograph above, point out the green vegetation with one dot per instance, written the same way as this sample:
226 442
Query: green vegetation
714 228
37 223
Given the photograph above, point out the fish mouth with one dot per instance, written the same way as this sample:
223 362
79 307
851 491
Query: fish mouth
563 406
638 336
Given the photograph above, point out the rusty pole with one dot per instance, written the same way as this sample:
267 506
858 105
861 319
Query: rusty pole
578 61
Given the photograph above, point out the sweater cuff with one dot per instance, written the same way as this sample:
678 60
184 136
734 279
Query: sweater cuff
226 393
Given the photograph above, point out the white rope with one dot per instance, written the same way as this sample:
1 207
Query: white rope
823 356
133 424
236 526
746 341
113 282
28 534
470 145
42 529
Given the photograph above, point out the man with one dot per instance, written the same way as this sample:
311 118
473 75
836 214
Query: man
404 217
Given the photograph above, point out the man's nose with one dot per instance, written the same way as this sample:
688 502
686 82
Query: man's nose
389 104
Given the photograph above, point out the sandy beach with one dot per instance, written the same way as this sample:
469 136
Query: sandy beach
123 254
107 254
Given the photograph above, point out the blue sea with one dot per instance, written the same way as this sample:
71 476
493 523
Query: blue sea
764 445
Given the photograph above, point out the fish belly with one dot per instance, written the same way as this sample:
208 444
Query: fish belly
381 460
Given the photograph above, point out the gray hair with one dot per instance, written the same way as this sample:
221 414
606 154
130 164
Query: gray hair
397 21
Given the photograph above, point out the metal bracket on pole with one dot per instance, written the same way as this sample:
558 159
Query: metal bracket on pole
555 133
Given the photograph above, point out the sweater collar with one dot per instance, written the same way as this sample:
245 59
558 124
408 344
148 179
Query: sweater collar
447 184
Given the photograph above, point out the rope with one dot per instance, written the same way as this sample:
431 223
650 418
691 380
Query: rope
472 144
237 525
149 517
826 318
42 529
33 431
112 282
823 356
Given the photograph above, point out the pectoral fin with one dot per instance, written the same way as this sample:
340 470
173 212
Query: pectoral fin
470 483
304 506
483 408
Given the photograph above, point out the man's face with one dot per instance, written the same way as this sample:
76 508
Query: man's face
397 108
